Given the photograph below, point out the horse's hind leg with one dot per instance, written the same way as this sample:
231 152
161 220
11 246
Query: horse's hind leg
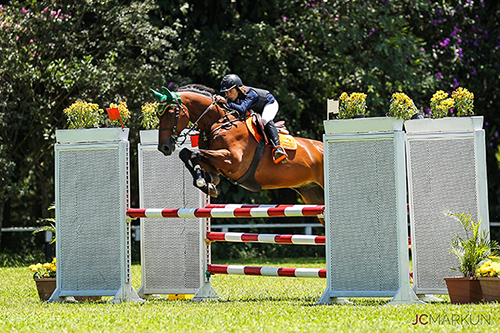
312 194
201 179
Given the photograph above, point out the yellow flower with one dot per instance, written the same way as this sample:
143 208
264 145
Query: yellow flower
489 268
84 115
464 101
149 119
439 95
441 104
124 113
402 106
351 105
45 270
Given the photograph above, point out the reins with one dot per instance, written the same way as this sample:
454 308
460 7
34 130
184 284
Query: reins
227 124
193 126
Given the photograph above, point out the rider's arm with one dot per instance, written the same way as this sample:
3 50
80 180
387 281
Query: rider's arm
245 104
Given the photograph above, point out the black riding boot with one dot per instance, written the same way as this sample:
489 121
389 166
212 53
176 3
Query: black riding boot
279 153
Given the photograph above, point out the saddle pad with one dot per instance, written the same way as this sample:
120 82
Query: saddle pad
287 141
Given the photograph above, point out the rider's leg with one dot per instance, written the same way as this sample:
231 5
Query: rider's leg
278 151
268 114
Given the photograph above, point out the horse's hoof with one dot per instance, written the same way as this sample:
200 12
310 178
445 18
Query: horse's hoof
185 155
212 191
200 182
215 179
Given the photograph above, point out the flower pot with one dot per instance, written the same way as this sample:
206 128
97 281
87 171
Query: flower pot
45 288
464 290
363 125
91 135
490 287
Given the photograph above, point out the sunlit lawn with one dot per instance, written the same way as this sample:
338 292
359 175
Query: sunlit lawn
248 304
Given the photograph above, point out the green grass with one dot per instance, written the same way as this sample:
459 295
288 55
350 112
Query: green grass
249 304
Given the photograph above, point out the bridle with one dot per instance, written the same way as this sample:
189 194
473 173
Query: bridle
161 110
178 106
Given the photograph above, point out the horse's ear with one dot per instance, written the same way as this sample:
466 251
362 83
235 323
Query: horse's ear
167 93
160 96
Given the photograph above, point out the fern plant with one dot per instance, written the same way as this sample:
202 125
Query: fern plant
472 250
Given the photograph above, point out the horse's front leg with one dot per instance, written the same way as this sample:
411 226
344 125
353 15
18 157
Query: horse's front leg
221 160
205 181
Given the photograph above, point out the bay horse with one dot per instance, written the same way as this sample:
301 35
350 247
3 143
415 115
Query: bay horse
226 147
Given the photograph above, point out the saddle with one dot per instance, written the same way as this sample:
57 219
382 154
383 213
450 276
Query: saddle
255 126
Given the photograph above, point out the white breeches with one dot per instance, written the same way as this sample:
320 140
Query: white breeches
270 112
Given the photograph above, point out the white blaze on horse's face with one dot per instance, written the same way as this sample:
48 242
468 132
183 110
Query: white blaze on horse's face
232 94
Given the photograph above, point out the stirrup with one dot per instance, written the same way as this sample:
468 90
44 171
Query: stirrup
282 155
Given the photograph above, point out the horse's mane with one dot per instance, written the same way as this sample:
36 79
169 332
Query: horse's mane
197 88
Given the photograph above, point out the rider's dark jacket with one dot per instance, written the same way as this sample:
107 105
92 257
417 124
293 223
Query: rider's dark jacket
255 99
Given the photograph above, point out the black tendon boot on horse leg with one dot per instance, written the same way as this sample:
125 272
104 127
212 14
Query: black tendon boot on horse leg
201 179
279 153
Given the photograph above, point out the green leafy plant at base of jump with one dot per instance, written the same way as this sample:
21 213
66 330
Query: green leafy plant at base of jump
50 225
472 250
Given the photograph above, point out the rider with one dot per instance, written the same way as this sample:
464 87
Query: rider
243 98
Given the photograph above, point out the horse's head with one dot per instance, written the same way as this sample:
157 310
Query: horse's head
173 119
194 103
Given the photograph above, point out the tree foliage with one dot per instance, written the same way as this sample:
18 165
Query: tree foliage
53 53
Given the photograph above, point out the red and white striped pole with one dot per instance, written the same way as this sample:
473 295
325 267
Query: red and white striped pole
265 238
230 211
267 271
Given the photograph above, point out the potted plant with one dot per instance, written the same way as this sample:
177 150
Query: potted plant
81 114
441 103
45 278
463 101
402 107
87 122
471 251
489 279
150 123
149 119
352 106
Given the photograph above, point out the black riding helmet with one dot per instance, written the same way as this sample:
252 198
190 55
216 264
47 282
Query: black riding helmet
229 82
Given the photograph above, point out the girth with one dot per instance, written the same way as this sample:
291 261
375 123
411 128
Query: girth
248 181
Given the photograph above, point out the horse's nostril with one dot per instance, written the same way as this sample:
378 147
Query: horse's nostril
165 149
